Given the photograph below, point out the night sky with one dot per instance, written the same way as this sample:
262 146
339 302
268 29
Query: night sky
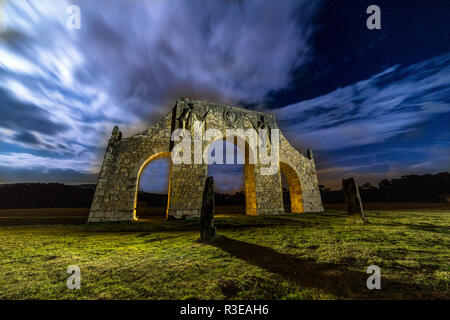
372 104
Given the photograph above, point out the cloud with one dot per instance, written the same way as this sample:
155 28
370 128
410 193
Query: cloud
62 91
87 164
128 63
433 159
20 115
389 125
373 110
230 50
27 137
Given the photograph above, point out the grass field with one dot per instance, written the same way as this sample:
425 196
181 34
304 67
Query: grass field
306 256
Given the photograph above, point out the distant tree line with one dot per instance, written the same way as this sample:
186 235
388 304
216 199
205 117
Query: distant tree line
56 195
409 188
45 195
146 199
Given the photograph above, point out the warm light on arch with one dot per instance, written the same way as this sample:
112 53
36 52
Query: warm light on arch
249 174
295 188
154 157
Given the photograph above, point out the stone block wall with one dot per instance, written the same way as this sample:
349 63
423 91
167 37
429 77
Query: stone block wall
187 182
118 183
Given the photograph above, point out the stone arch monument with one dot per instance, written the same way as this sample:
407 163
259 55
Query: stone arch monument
115 197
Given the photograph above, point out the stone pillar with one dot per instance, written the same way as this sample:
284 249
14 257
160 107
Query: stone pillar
250 190
269 194
352 198
106 205
187 182
207 229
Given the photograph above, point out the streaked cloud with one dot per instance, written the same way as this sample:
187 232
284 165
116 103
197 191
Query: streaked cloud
62 91
372 110
86 164
372 129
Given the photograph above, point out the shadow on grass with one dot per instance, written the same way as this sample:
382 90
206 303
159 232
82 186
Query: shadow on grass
331 278
193 225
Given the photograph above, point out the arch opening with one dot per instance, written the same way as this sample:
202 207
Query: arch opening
234 183
152 187
292 190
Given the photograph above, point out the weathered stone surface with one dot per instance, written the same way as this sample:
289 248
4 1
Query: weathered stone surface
352 198
118 183
207 229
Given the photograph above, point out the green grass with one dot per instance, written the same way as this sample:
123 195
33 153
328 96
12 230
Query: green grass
307 256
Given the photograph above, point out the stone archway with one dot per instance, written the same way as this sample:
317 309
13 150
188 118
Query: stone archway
249 173
118 182
138 178
295 188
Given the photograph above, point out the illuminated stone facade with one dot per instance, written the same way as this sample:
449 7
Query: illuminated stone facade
115 198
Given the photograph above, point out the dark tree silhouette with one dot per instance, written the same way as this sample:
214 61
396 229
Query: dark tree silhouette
409 188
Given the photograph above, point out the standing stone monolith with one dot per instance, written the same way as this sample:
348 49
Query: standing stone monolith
352 198
207 229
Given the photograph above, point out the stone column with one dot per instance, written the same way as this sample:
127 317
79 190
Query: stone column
207 229
187 182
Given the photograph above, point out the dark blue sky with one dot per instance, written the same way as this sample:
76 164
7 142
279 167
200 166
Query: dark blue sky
371 103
